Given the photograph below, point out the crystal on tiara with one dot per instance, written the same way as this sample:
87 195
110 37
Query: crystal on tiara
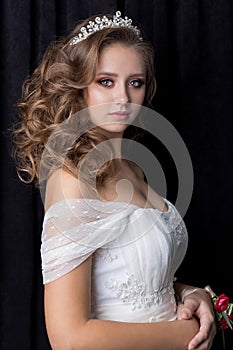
103 22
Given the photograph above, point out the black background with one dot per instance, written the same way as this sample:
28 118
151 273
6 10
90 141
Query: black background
193 42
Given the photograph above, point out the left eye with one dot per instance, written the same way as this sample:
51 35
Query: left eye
136 83
105 82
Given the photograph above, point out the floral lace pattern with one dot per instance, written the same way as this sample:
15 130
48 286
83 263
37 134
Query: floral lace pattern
133 292
105 254
177 228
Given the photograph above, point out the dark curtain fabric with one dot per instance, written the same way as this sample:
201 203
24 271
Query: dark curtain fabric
193 42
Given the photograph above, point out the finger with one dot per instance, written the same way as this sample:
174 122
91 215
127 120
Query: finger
191 304
207 325
186 310
201 336
203 339
198 342
206 345
183 312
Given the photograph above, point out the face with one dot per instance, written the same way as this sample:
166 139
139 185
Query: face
118 90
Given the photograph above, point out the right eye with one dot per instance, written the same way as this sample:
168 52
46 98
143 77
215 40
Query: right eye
105 82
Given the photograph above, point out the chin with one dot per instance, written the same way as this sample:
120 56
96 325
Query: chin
115 127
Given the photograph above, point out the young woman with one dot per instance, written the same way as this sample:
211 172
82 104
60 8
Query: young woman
110 244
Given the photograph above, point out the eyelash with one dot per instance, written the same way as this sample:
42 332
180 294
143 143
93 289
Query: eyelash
103 81
140 82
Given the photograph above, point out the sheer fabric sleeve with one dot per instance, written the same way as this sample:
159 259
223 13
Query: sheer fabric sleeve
73 230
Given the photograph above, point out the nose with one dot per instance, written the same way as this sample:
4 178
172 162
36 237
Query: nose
122 93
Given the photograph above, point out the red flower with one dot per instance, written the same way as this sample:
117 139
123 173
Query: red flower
222 324
221 303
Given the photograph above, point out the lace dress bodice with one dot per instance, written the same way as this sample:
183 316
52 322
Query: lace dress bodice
135 254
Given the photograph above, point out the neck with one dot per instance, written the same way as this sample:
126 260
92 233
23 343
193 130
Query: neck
116 143
115 139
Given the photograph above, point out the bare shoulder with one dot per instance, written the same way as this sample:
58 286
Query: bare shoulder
61 185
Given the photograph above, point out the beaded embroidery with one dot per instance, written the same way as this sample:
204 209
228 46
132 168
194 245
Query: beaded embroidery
177 228
133 292
105 254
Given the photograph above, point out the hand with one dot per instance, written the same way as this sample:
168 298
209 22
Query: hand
199 304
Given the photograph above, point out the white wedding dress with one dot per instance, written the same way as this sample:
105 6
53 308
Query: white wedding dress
136 252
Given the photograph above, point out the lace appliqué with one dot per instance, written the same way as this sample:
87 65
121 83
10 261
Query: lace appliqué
105 254
177 228
133 292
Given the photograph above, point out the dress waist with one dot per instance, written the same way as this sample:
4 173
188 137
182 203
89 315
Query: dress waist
129 312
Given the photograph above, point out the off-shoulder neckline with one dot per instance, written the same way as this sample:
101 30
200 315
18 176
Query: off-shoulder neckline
127 204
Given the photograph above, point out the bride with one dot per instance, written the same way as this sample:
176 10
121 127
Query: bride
110 244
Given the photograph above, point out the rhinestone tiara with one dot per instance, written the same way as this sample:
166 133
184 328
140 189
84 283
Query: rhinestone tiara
103 22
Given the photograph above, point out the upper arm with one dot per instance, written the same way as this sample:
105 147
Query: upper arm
67 298
67 304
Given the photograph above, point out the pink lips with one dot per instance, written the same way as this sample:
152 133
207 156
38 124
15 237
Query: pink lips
119 115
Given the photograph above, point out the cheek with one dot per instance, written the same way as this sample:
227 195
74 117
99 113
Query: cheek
140 96
95 95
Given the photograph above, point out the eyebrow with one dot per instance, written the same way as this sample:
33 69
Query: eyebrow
116 75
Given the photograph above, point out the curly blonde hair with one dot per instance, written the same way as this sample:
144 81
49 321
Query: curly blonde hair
55 91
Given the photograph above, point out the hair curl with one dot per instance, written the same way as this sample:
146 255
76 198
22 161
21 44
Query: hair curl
55 91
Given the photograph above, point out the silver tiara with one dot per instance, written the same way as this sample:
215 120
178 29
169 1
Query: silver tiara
103 22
